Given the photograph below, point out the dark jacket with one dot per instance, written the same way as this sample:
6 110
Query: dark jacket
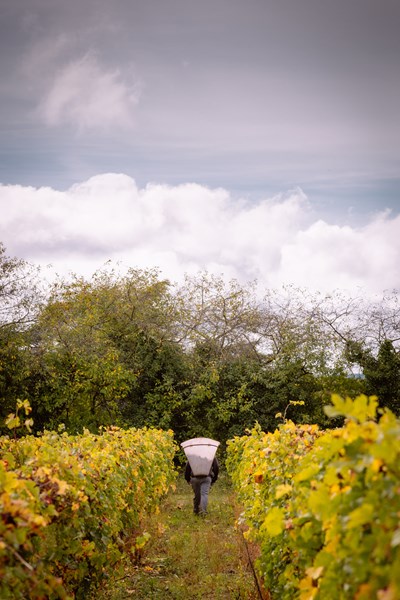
213 473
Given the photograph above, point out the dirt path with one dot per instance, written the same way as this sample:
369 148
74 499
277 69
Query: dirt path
188 557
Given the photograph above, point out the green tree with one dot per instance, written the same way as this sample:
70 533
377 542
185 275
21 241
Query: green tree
382 373
102 349
21 294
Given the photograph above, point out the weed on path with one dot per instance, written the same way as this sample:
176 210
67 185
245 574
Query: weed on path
188 557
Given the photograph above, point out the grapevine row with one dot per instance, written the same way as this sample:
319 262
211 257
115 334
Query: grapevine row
70 504
324 507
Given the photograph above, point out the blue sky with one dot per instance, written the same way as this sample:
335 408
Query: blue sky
262 99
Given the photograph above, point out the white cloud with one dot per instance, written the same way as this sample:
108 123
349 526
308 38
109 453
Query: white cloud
187 228
326 255
88 96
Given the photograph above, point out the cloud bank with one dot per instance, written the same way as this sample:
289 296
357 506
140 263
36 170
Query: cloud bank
189 228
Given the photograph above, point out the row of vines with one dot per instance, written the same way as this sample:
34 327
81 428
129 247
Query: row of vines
324 506
71 505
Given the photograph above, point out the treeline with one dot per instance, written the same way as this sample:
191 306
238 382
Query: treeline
207 357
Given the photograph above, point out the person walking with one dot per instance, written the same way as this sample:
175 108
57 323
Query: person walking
201 485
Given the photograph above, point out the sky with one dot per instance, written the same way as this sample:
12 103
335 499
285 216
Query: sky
257 139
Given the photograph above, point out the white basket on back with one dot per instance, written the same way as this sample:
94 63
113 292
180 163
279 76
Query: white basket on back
200 453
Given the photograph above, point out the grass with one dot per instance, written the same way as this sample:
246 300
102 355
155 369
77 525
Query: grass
189 557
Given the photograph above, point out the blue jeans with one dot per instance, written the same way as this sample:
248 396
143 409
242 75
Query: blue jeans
201 487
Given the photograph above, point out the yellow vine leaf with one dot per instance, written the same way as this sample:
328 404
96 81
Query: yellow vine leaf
360 516
282 490
307 473
274 522
361 409
315 572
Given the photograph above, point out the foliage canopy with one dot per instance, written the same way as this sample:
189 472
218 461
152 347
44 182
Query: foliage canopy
206 357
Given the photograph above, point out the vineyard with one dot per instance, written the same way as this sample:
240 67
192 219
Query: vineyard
324 507
72 505
321 506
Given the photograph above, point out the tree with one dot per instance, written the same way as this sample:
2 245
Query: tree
220 319
21 295
382 373
20 292
102 346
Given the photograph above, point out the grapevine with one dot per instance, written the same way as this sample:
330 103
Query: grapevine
324 506
69 504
